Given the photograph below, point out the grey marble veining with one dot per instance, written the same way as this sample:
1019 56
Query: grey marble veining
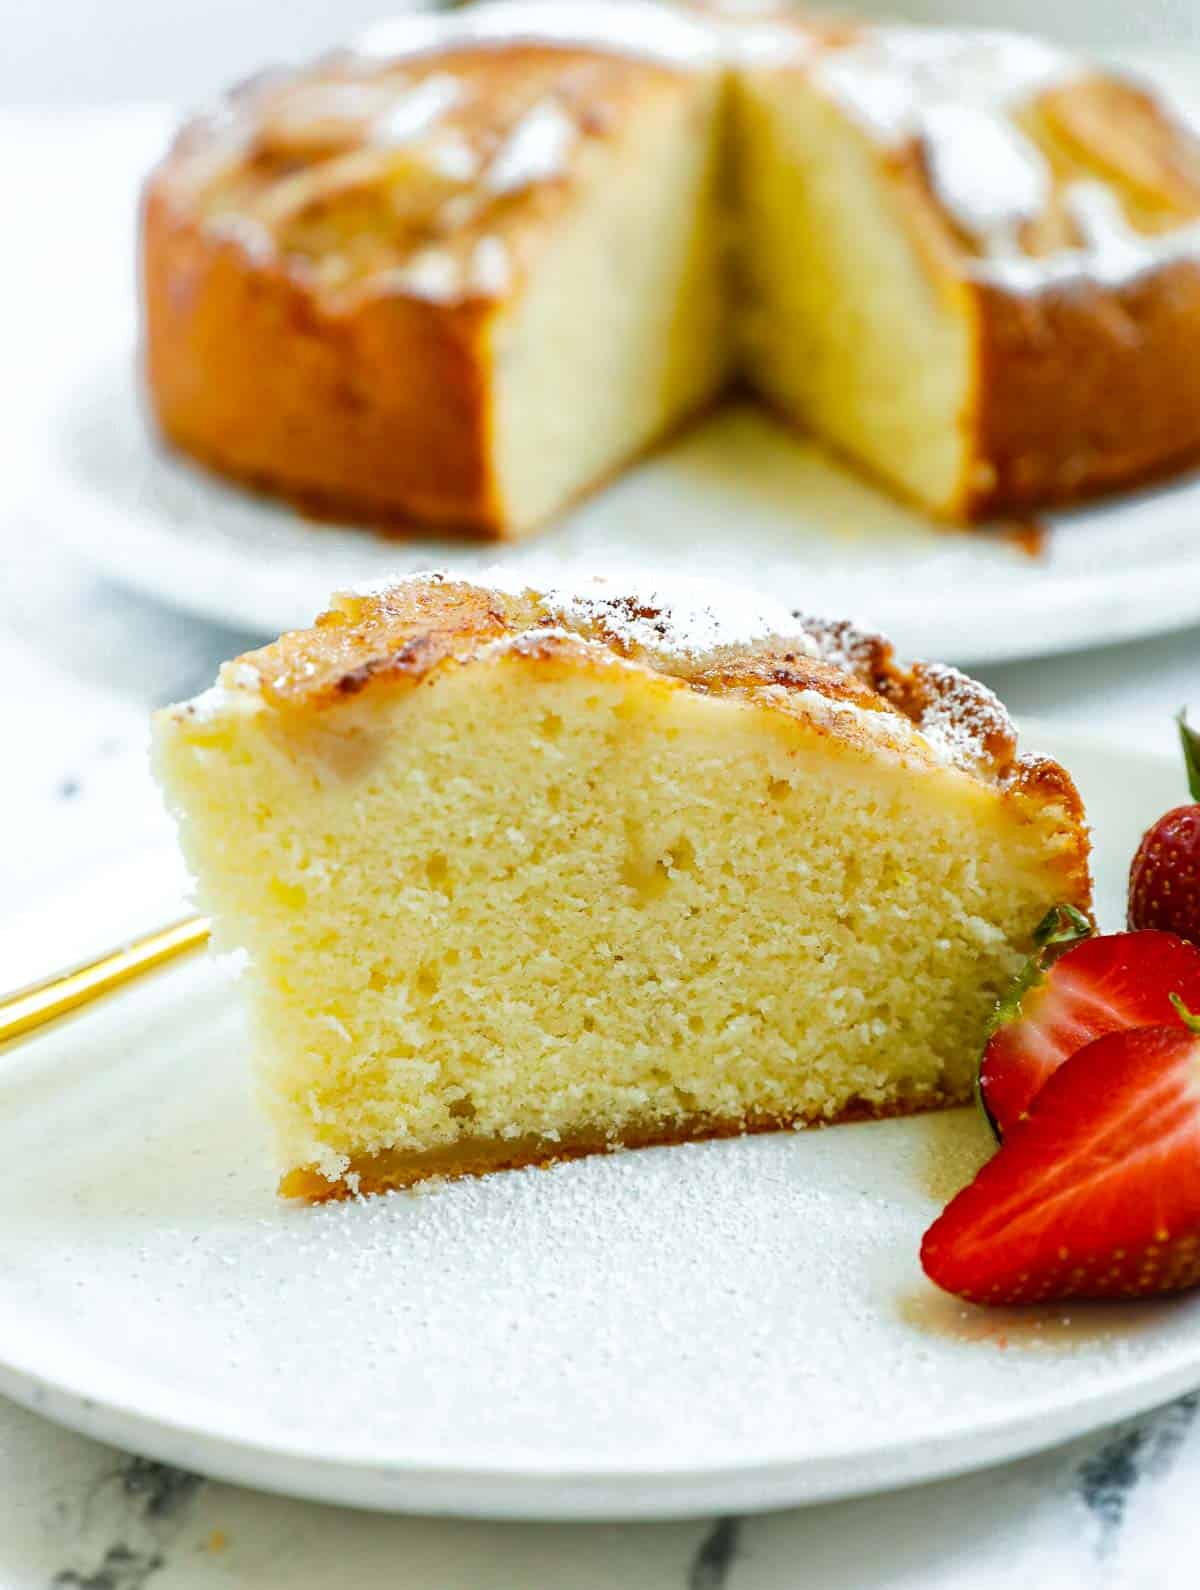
1114 1512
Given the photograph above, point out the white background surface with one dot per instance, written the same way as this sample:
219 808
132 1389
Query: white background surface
81 662
64 52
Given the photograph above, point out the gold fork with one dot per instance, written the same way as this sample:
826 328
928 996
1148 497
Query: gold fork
27 1010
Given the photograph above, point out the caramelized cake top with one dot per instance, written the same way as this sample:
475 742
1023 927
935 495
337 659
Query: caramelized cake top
1025 165
845 679
423 159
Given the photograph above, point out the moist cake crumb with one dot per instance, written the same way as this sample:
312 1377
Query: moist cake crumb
523 875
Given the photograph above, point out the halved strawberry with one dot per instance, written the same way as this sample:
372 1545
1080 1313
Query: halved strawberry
1101 985
1097 1193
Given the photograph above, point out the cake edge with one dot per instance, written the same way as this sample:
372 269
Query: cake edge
392 1170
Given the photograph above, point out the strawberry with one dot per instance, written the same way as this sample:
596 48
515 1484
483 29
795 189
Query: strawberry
1064 999
1097 1192
1164 880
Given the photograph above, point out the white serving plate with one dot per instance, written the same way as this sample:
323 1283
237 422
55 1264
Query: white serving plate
737 498
723 1326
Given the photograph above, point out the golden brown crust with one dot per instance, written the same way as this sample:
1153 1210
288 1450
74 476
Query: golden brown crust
1082 389
380 407
362 399
1083 384
401 635
402 632
919 689
394 1169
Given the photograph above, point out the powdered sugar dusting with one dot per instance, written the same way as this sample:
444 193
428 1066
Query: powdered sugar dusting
1114 253
892 77
962 718
952 91
689 628
236 679
769 43
417 111
986 173
650 31
687 625
452 157
536 150
683 621
656 1318
432 273
244 232
847 643
491 267
209 705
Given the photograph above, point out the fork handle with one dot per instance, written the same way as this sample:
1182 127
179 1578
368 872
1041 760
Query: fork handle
28 1010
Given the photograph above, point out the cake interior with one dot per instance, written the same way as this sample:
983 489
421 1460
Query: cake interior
536 906
621 332
844 329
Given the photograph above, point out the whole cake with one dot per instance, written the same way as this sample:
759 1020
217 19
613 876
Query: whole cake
528 874
468 269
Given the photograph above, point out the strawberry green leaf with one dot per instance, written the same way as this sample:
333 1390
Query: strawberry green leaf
1190 739
1008 1006
1189 1019
1059 929
1062 926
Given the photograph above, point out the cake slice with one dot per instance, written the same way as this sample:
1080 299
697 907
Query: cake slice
523 875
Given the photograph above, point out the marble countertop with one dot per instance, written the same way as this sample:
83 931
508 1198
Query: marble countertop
82 663
1112 1513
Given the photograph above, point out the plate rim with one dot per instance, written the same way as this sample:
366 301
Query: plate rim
567 1494
179 1432
129 548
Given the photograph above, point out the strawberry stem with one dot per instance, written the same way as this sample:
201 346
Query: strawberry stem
1060 928
1190 1021
1190 740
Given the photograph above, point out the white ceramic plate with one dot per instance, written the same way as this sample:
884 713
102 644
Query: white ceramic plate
737 498
731 1325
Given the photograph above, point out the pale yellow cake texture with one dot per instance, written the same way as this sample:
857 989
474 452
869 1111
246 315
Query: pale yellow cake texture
843 326
621 332
526 881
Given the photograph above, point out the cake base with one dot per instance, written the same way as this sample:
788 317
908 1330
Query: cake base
401 521
394 1169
